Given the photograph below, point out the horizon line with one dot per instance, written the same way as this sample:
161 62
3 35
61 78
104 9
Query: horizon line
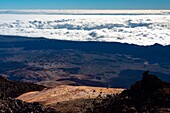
79 9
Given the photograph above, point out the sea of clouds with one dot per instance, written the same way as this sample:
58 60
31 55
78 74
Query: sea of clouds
143 29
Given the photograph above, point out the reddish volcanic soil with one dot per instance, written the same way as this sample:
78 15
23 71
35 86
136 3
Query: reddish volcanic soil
66 93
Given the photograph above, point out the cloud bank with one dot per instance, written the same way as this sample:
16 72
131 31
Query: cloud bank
133 29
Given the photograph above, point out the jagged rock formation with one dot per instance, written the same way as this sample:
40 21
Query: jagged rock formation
11 89
150 95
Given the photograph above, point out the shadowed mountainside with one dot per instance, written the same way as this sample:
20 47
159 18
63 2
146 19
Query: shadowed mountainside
15 88
148 95
11 89
101 64
161 52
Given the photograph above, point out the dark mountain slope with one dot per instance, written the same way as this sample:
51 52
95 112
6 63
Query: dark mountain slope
15 88
150 95
160 52
11 89
104 64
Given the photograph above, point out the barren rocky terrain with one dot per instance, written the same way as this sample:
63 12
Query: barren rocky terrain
147 95
67 93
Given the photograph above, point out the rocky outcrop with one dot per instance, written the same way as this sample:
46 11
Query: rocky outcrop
148 95
11 89
10 105
15 88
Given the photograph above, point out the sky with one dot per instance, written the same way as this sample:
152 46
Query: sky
84 4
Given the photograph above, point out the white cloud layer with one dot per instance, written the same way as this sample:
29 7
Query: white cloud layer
133 29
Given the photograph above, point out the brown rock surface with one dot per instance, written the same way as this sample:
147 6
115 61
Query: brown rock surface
67 93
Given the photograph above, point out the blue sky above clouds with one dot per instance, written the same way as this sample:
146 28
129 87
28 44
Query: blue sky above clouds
84 4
